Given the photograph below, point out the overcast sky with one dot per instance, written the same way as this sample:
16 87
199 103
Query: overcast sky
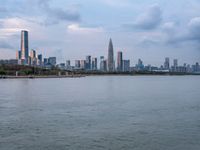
71 29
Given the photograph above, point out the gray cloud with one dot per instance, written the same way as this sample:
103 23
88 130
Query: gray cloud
149 20
187 34
54 15
41 11
194 29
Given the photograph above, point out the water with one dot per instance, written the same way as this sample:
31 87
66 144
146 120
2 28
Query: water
101 113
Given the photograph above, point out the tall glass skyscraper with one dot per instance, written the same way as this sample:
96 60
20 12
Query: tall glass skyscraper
24 45
119 61
111 66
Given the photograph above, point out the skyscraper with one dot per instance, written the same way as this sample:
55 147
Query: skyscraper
126 65
77 64
24 45
119 61
111 66
103 64
167 63
94 63
88 63
18 55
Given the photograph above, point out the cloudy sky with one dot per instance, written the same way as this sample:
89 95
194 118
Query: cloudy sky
71 29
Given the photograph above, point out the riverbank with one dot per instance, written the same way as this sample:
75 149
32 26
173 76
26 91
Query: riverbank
37 77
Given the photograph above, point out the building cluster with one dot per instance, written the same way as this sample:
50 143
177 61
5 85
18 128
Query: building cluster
24 57
105 65
29 57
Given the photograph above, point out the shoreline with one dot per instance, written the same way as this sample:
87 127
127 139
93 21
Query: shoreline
85 75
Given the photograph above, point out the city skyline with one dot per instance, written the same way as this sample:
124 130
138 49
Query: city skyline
147 30
109 64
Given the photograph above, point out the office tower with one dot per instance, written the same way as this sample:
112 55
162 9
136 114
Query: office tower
110 61
140 65
83 64
40 57
39 60
24 45
119 61
33 54
32 60
68 63
94 63
88 63
126 65
52 61
175 65
167 63
45 61
175 62
18 55
103 64
77 64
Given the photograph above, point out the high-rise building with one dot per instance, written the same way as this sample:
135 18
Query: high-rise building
110 62
140 65
175 62
88 63
40 57
83 64
24 45
33 53
52 61
167 63
45 61
119 61
39 60
77 64
94 63
103 64
18 56
174 68
32 60
126 65
68 63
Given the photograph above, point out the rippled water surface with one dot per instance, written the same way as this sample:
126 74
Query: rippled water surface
101 113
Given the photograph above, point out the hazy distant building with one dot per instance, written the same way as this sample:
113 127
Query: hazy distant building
45 61
18 55
83 64
110 61
119 61
39 58
175 62
88 63
68 64
32 59
33 54
77 64
140 65
174 68
52 61
126 65
94 63
167 63
103 64
24 45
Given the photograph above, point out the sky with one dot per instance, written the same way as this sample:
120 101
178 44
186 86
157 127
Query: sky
71 29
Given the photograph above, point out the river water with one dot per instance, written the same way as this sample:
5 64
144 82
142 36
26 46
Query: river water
100 113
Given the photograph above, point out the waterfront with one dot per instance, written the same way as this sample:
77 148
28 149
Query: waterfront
100 112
